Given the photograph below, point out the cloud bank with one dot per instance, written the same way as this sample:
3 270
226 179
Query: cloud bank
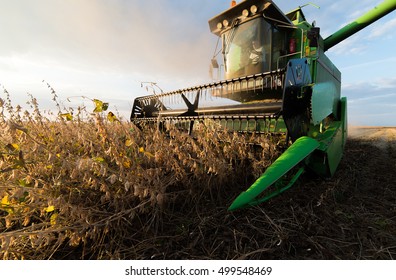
106 35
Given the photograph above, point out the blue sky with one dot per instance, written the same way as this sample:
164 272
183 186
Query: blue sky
104 49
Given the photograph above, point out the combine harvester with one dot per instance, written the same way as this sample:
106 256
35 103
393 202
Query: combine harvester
277 80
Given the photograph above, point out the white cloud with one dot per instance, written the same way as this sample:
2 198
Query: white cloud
377 84
387 29
352 46
369 63
372 102
107 36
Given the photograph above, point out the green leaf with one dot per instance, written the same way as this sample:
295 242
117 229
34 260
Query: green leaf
19 162
6 205
50 209
23 198
66 116
128 142
100 106
99 159
147 154
53 218
12 147
111 117
24 183
5 201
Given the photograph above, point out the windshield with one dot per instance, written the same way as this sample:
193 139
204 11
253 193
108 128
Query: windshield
247 48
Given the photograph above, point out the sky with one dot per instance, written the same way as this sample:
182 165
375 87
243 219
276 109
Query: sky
105 49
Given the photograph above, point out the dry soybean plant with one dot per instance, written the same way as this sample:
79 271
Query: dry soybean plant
86 185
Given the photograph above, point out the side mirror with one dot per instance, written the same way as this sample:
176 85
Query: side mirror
213 65
214 62
313 36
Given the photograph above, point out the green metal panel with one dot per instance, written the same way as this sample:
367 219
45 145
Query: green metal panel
334 151
323 95
325 159
327 72
344 119
252 125
296 153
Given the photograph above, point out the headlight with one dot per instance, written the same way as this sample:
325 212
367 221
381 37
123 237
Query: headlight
245 13
253 9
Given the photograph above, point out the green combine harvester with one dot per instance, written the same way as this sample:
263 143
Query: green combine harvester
278 79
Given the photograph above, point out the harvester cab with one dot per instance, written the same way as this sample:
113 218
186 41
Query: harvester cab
252 43
277 79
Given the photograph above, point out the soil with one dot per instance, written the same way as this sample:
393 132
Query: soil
382 137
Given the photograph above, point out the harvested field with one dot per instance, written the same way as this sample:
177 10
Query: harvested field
102 189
